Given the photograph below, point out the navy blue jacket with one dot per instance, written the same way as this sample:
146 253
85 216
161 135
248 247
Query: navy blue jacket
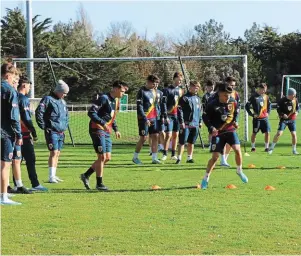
221 116
146 104
287 107
261 105
25 114
52 114
171 96
103 112
10 115
160 105
206 98
190 110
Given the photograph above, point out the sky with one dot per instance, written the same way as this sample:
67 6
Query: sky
172 18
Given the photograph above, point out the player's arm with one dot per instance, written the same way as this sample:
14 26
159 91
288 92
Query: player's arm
139 101
93 111
207 117
40 112
297 106
181 104
269 105
15 115
164 101
236 114
26 118
200 114
280 108
248 106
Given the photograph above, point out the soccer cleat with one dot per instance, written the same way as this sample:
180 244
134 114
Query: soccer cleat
39 188
225 164
136 161
266 150
295 152
174 158
253 149
85 181
102 187
150 153
204 184
58 179
9 202
178 161
10 190
243 177
164 157
156 161
270 151
190 161
23 190
52 180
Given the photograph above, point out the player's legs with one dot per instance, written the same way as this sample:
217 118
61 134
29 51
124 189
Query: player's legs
16 166
193 134
265 128
256 126
183 136
281 128
6 160
292 128
233 140
174 138
143 133
224 155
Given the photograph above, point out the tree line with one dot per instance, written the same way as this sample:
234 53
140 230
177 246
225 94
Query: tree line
270 54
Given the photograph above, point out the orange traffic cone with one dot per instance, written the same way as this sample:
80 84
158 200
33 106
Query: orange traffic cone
231 186
268 187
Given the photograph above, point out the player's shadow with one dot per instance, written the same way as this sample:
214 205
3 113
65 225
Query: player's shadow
77 190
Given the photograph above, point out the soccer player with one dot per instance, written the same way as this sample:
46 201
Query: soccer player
102 120
52 117
171 96
147 118
231 81
209 88
261 105
190 119
10 127
29 136
221 117
287 108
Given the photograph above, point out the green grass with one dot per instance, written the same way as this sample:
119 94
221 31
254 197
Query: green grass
178 219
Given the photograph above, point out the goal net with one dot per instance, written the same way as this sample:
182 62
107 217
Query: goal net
88 76
291 81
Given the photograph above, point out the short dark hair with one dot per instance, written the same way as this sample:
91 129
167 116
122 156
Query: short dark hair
153 79
261 85
194 83
177 74
209 83
23 80
119 84
224 87
230 79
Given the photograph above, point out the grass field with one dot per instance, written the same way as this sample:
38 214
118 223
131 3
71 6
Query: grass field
178 219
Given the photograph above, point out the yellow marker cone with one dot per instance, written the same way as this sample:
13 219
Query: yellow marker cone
251 166
281 167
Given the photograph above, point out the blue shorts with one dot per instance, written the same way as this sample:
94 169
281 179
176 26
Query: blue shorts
7 149
17 152
262 125
188 135
218 142
291 124
102 142
144 129
173 125
54 140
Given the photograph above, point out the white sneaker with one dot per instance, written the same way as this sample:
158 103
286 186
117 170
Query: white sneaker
9 202
53 180
58 179
295 152
225 164
164 157
174 158
270 151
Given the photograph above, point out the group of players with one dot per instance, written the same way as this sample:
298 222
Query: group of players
163 116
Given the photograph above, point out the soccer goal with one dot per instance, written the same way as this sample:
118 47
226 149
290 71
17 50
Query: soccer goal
134 70
291 81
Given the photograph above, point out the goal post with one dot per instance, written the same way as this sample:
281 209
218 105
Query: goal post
195 67
291 81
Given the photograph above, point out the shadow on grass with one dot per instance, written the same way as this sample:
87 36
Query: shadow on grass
77 190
